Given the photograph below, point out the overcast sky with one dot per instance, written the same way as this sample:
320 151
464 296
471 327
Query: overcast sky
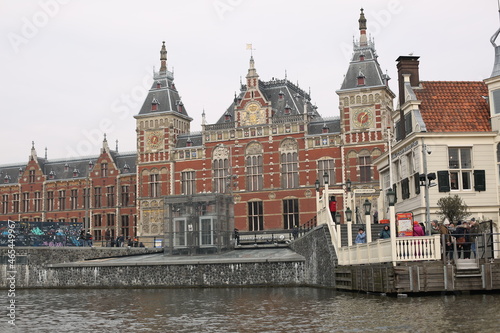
71 70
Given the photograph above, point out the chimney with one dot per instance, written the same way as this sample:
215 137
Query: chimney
407 65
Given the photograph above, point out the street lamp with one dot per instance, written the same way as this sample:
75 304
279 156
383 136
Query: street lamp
348 216
368 207
325 178
391 198
316 185
337 218
325 193
348 184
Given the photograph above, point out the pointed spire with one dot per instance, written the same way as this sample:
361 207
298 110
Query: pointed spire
105 143
45 152
362 29
496 65
252 76
203 118
116 146
33 151
163 58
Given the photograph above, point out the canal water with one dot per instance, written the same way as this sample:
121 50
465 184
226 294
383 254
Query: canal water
246 310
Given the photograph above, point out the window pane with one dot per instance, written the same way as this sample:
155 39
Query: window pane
465 157
466 180
453 158
454 180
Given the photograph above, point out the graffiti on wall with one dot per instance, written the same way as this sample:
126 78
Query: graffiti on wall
42 233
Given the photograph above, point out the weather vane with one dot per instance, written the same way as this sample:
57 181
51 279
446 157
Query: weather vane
249 47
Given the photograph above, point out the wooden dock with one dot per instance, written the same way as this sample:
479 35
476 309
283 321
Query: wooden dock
420 277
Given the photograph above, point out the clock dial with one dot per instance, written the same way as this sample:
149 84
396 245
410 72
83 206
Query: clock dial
363 118
154 140
252 115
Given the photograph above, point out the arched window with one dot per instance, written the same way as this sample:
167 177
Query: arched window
220 166
289 164
254 170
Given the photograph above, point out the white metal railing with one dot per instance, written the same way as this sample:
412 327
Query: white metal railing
406 249
324 216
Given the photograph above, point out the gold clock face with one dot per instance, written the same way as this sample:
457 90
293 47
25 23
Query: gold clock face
253 115
154 140
363 118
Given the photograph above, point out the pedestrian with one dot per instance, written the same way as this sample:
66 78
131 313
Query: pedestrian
88 238
295 232
119 241
473 233
333 207
385 232
375 217
445 239
417 229
107 237
236 234
434 227
360 237
82 237
463 240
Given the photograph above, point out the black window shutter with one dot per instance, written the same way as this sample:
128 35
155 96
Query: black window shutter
395 189
405 188
444 181
479 180
416 180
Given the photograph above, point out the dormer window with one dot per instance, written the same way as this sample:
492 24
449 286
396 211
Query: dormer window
325 129
288 109
66 167
52 175
180 106
281 94
158 84
76 172
6 179
361 57
91 165
126 168
361 79
20 171
154 104
189 142
227 117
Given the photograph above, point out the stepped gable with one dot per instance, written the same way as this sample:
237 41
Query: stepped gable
454 106
163 95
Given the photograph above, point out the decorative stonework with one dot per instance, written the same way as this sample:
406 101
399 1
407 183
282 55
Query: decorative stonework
272 195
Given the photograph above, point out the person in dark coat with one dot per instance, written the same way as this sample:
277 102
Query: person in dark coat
385 233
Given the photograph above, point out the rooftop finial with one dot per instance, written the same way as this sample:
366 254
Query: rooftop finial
362 29
163 58
496 65
116 145
45 152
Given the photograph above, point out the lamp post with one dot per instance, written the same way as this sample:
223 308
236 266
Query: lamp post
316 185
339 233
391 197
325 193
427 184
367 206
348 216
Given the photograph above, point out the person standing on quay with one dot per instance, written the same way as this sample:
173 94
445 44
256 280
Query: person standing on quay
333 207
473 233
361 237
385 233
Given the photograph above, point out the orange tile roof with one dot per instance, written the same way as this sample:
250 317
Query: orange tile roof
454 106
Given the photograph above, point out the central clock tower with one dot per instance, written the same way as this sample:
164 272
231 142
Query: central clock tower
254 108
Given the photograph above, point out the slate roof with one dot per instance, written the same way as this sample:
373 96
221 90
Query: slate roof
316 127
182 139
63 169
454 106
166 96
368 67
291 96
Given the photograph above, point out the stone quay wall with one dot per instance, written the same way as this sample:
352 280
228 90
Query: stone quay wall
38 267
321 259
31 263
